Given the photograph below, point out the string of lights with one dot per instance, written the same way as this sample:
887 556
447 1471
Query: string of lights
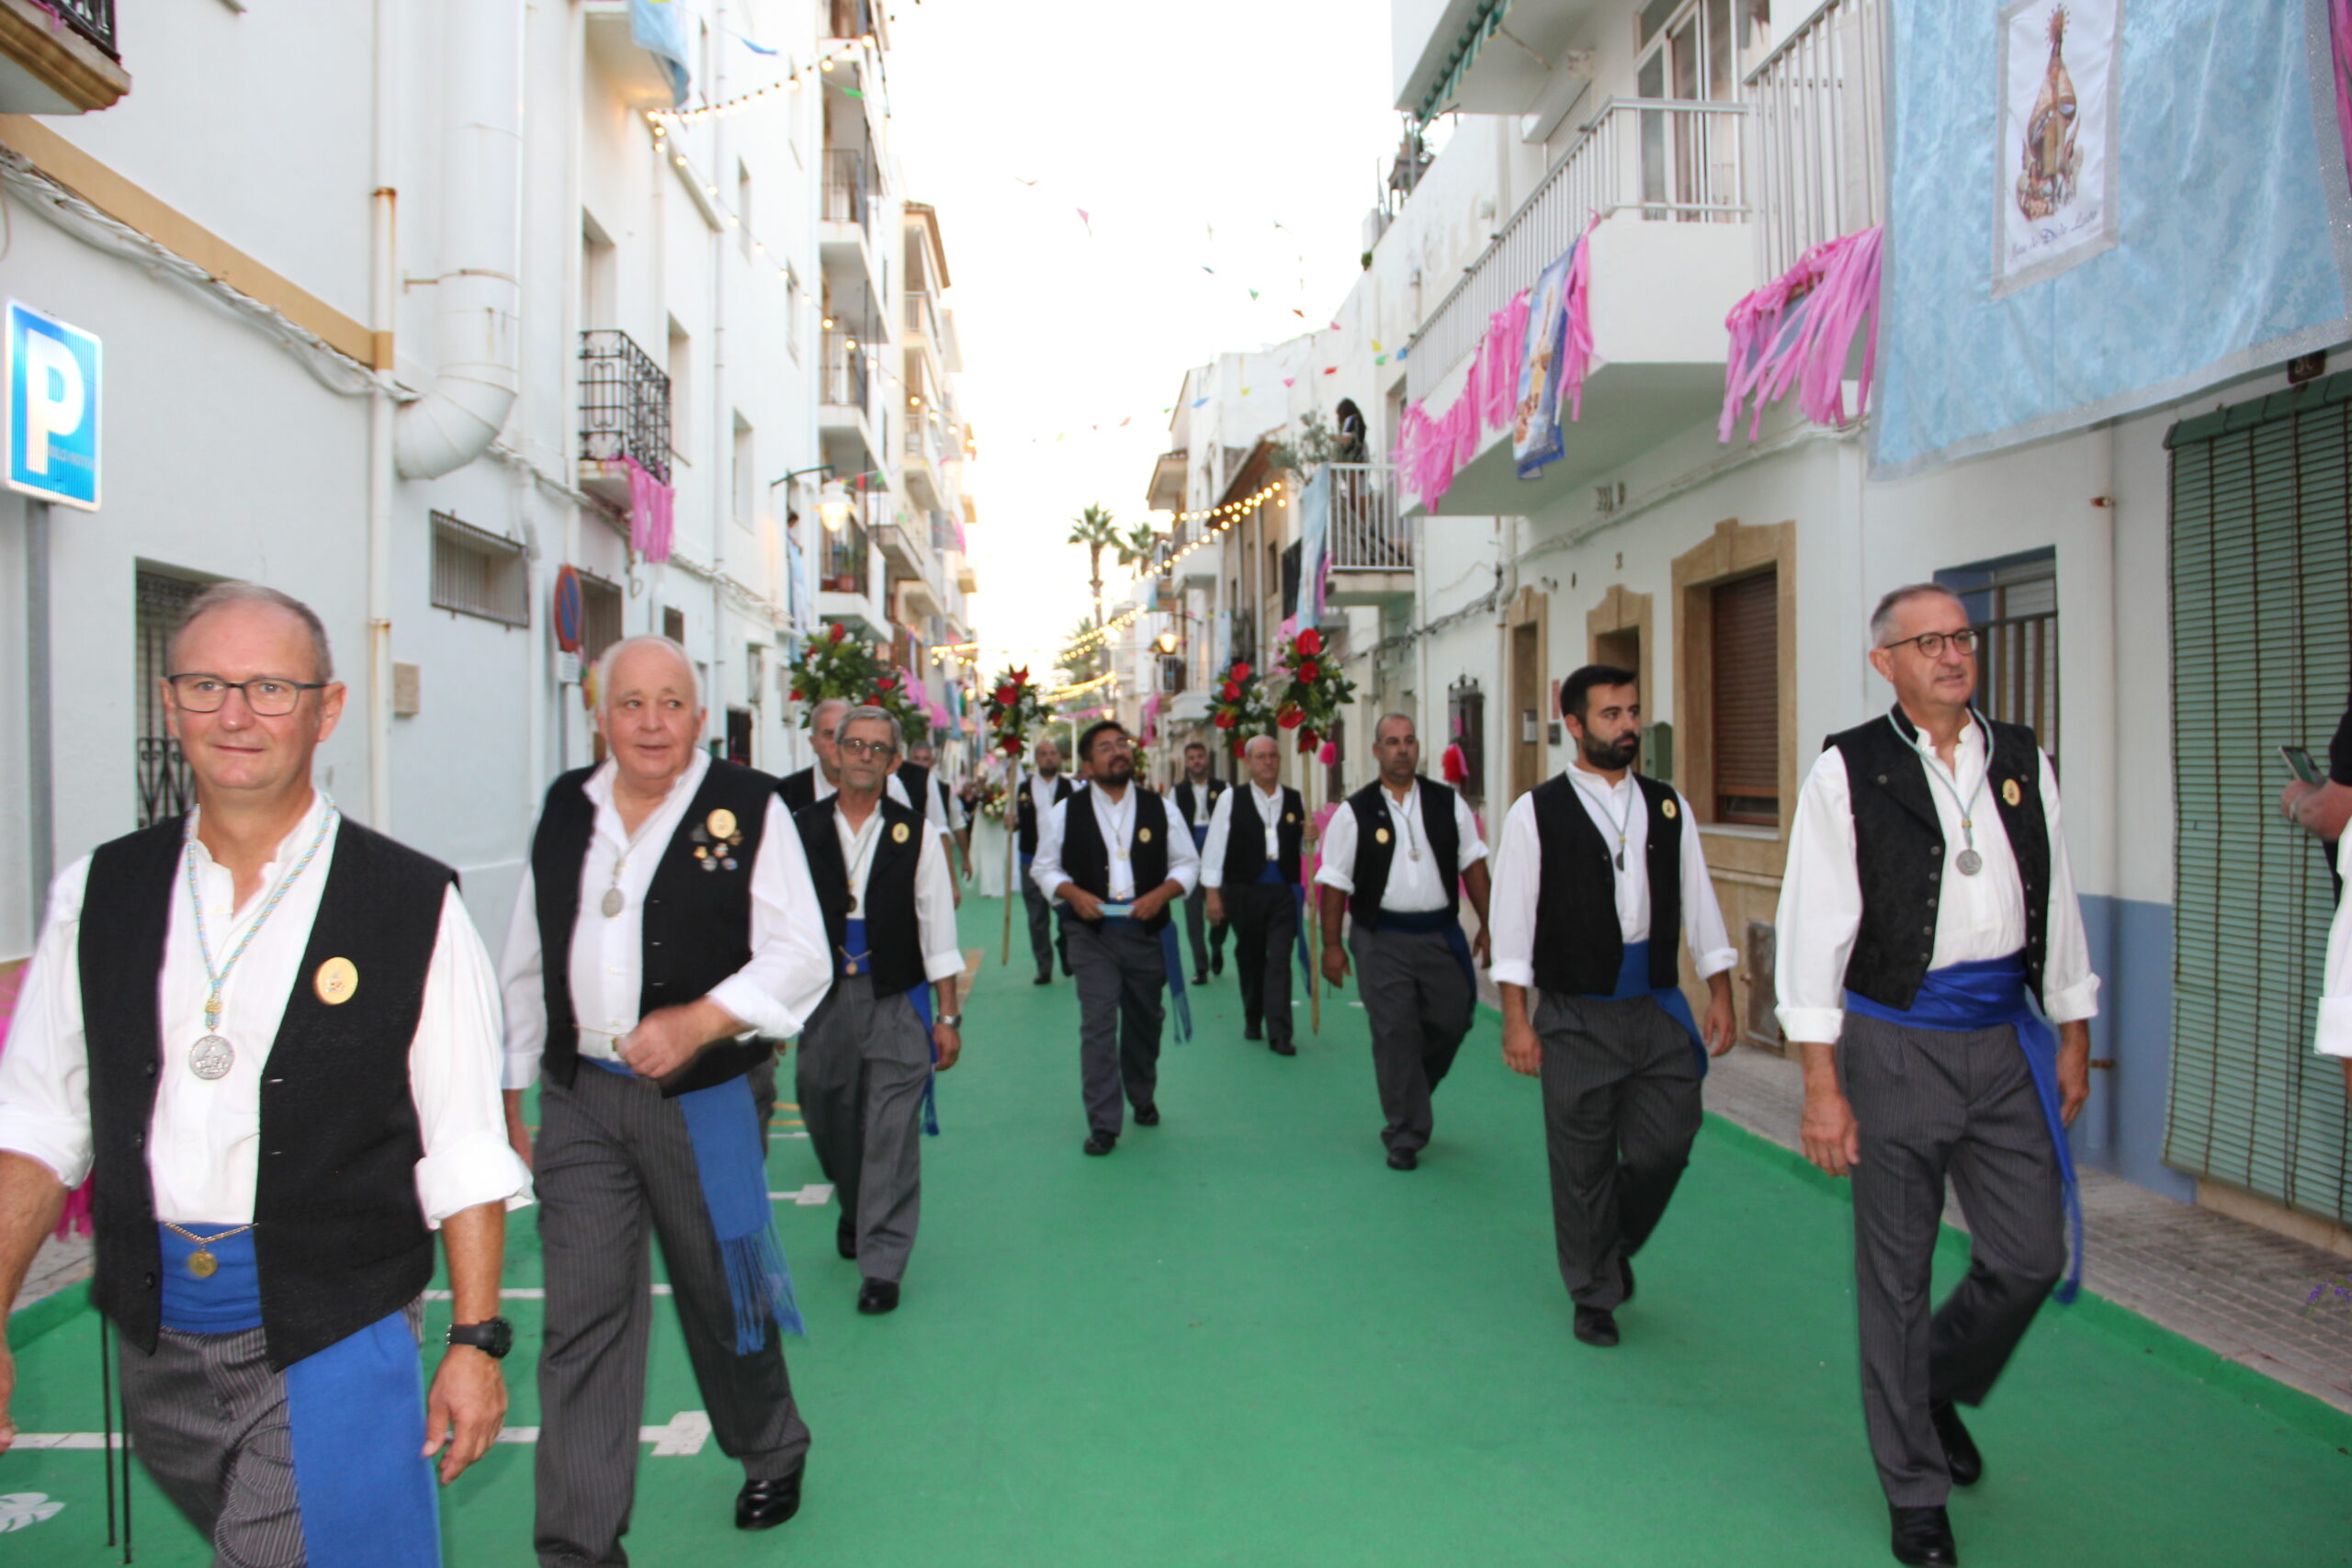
1119 621
823 62
1080 689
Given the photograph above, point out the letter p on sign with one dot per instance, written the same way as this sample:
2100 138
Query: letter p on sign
51 391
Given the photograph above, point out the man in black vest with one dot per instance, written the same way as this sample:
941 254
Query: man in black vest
1598 875
1927 892
803 788
1195 796
866 1055
1108 855
272 1033
1040 793
1250 865
1417 975
950 815
665 924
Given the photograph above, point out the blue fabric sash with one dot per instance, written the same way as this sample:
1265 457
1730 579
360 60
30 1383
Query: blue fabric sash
723 1124
1439 922
354 1416
1986 994
1172 959
853 938
1633 980
1200 835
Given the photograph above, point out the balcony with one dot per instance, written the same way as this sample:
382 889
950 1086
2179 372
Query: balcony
59 57
846 581
844 400
1478 56
901 549
624 414
924 461
1371 541
1671 255
1816 150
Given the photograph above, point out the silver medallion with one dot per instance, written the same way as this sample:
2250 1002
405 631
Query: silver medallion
1970 862
614 903
211 1057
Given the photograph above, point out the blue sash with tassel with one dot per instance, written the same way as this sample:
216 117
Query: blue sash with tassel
354 1415
723 1124
1986 994
853 938
1633 980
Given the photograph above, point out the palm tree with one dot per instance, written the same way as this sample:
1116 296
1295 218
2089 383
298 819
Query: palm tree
1137 548
1098 532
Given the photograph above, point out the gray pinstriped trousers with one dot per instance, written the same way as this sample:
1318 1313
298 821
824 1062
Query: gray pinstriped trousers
615 1171
1932 1104
861 1075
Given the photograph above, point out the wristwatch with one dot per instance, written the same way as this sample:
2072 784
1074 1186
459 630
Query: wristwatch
493 1337
952 1020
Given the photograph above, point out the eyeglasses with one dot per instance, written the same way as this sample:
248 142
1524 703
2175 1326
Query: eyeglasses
1932 643
868 747
267 695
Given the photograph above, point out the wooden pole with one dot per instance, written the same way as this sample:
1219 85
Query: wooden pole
1011 861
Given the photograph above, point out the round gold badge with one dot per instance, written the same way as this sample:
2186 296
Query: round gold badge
1670 809
898 832
1380 835
2011 793
1290 815
1143 835
721 822
337 981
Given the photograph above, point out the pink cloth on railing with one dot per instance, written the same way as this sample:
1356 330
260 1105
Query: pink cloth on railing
1576 349
652 511
1798 331
1151 718
75 1219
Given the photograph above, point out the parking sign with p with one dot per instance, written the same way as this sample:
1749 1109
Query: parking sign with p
51 391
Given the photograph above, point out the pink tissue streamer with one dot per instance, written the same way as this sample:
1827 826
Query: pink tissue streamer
652 520
1798 330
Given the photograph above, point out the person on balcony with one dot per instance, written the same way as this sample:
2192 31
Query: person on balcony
1251 866
1195 796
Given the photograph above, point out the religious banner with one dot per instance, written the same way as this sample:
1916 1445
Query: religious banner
2172 210
1535 418
2055 169
1313 546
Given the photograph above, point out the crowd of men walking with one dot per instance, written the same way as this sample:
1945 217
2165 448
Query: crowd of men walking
277 1039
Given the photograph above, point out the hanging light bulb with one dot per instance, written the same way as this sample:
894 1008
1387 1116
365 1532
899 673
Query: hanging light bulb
833 506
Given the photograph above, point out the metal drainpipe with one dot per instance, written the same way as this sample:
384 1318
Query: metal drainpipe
381 263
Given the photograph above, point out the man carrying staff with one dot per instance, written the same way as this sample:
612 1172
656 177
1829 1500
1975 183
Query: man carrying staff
1250 863
665 922
1403 914
1598 876
1196 797
1041 792
1106 854
866 1055
1927 894
273 1034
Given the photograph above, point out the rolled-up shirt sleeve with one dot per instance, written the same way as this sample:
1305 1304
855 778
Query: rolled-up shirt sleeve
1511 909
943 959
2069 989
45 1067
455 1071
789 971
521 985
1337 867
1821 909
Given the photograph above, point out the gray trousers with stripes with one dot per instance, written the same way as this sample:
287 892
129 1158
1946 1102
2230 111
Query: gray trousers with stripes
1621 1107
615 1171
1932 1104
1419 1003
862 1069
1122 981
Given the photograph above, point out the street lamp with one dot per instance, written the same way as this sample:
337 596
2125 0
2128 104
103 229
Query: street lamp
1165 642
833 506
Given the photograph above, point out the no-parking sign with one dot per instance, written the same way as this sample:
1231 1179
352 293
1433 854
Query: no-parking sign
50 388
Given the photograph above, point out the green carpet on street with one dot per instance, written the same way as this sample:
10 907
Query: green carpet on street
1242 1339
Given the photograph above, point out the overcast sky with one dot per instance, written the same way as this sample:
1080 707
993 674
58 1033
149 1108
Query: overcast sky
1187 133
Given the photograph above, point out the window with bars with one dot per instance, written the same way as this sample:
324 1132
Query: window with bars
165 787
2013 604
1746 699
475 572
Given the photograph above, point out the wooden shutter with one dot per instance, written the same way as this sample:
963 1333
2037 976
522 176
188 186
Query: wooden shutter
2262 645
1745 695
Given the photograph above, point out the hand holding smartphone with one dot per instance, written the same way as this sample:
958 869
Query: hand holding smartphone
2301 763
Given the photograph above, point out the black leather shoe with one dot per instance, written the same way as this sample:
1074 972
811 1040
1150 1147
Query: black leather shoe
1402 1160
764 1504
1043 980
1101 1143
846 1237
1283 1048
877 1296
1200 979
1923 1536
1967 1466
1217 962
1597 1326
1146 1116
1252 1031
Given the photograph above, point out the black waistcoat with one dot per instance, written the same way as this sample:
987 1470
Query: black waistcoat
1025 809
1579 945
1376 848
339 1235
915 779
1899 852
697 925
1087 862
1187 799
893 936
1245 836
798 790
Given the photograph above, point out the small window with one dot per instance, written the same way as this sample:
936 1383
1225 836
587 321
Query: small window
682 382
2013 604
600 615
1746 699
673 624
475 572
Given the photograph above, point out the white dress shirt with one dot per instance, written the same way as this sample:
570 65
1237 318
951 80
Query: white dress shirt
1117 822
204 1136
1414 884
1268 808
1977 917
1519 873
774 994
2336 993
935 890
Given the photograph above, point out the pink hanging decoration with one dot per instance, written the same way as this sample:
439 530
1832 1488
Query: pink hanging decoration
651 512
1429 452
2339 28
1151 718
1575 350
1798 330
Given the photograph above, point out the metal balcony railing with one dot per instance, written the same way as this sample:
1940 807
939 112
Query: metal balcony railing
922 315
1816 147
849 187
843 559
845 377
624 404
94 20
1369 533
946 533
1672 160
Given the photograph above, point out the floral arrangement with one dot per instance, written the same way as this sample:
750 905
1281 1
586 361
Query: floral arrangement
989 797
1014 708
1241 710
836 665
1310 689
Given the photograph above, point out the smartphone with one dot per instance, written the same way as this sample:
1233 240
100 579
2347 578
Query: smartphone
2304 767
